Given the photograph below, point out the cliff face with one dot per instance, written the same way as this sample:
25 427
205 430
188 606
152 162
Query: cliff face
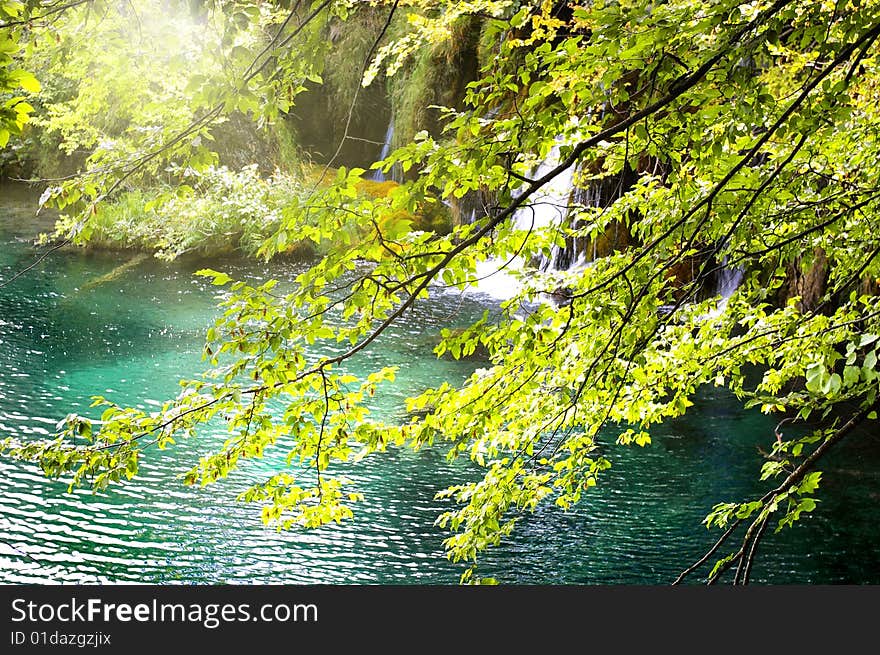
344 122
339 118
436 76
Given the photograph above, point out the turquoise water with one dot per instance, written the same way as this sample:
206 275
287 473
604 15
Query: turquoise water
66 334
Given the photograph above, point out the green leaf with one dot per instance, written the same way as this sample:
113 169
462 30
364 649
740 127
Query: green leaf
218 278
25 80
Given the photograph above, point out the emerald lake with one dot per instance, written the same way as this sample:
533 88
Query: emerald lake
86 323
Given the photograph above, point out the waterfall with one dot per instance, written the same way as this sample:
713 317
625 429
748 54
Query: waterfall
729 279
727 282
378 175
549 206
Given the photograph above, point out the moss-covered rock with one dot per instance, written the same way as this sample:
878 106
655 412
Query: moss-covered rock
437 76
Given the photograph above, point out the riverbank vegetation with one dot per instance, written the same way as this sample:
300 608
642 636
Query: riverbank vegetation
623 161
218 212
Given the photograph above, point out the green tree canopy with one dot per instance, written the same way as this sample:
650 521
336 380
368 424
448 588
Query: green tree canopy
727 134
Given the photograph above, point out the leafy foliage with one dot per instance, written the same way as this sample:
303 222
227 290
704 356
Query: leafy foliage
751 129
16 83
211 212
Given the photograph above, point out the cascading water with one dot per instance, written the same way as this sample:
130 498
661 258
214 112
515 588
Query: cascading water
729 279
378 175
551 206
548 207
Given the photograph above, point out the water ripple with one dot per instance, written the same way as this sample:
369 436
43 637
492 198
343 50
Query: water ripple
61 343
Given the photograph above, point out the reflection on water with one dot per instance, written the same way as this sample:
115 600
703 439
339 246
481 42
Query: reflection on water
108 324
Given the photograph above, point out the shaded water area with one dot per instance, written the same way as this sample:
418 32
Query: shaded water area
79 325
